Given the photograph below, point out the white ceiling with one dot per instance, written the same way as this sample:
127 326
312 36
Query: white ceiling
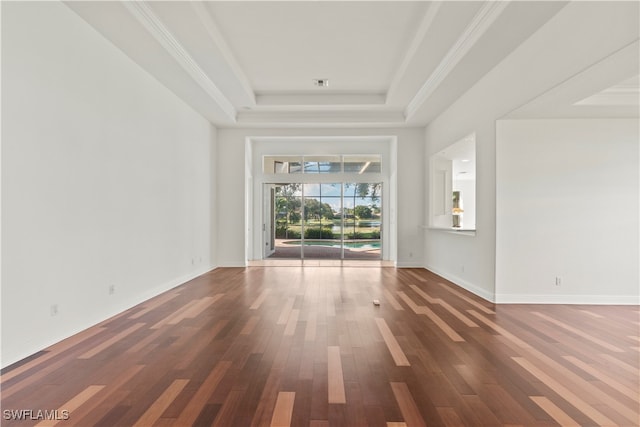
389 63
303 40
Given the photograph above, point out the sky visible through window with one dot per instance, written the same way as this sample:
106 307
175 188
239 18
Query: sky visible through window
331 194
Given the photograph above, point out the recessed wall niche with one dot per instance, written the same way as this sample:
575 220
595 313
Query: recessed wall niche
453 186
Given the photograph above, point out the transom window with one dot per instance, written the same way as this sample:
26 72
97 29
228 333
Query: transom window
324 164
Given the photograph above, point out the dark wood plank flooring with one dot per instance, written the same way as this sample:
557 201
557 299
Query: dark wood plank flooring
306 346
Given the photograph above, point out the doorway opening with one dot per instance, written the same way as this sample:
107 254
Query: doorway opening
321 199
318 220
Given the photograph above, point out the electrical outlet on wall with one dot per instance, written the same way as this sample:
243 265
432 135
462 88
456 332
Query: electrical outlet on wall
558 280
54 309
112 289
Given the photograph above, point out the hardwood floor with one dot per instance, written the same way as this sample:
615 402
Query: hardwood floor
306 346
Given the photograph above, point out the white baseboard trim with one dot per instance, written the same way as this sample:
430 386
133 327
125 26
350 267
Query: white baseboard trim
164 287
405 264
115 310
474 289
234 264
568 299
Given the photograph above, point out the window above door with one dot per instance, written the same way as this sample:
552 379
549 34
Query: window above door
323 164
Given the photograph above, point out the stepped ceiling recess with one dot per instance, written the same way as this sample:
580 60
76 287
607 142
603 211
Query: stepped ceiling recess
382 63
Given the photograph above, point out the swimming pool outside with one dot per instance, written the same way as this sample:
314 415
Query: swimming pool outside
368 244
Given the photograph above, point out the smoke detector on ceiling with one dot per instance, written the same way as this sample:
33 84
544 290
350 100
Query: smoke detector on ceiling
321 82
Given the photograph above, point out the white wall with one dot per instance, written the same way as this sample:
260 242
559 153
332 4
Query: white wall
466 259
106 180
567 206
232 223
570 42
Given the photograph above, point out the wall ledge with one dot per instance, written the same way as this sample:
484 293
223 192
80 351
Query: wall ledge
460 232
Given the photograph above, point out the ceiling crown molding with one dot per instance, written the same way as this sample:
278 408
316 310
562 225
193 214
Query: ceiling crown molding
315 99
159 31
478 26
322 117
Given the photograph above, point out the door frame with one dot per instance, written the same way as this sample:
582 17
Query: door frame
259 146
268 225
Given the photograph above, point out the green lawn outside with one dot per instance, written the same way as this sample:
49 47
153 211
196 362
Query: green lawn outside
362 230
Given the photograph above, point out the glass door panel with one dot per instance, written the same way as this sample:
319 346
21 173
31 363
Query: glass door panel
362 220
322 206
288 221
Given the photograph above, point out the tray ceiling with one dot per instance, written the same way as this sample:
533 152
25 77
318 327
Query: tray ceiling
388 63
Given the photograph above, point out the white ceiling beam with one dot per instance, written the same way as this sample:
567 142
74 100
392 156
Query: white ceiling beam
418 39
589 91
480 23
161 33
213 30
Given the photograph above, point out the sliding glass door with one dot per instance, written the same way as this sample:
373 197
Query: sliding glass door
324 220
